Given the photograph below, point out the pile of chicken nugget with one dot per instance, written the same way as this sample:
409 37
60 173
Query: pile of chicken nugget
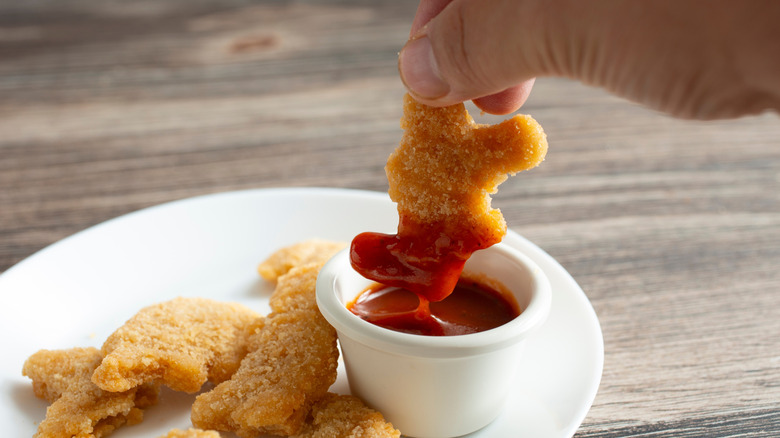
270 374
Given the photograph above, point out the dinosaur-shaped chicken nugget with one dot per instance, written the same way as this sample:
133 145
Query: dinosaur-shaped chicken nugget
345 416
441 176
78 407
191 433
181 343
291 363
316 251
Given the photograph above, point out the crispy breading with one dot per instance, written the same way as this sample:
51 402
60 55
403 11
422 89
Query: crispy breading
296 289
315 251
291 364
345 416
79 408
191 433
441 176
181 343
446 165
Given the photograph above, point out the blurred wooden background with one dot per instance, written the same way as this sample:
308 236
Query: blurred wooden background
671 227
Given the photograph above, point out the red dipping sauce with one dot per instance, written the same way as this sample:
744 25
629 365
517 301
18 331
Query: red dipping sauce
471 307
426 258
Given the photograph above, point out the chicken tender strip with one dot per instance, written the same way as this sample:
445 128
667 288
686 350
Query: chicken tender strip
291 364
191 433
78 407
315 251
345 416
181 343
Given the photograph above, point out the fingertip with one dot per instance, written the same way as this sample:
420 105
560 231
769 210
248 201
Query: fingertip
419 71
507 101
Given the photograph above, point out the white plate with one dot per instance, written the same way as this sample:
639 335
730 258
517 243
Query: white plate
77 291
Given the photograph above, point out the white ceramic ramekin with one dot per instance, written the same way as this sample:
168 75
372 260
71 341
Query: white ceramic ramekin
436 386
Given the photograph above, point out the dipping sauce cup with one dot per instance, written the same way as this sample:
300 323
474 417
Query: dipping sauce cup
436 386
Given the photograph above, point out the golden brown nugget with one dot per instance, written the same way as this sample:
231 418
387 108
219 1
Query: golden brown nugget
446 165
191 433
315 251
441 177
291 364
296 289
79 408
345 416
181 343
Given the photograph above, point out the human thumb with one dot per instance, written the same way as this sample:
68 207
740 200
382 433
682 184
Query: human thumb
473 49
694 59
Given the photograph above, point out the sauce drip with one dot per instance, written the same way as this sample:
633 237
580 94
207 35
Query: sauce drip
425 258
471 307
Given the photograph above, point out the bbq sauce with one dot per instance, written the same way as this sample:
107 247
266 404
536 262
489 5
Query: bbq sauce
471 307
425 258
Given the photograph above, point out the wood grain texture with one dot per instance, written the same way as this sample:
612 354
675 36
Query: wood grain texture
671 227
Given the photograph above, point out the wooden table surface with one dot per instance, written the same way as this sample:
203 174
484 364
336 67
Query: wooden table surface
672 228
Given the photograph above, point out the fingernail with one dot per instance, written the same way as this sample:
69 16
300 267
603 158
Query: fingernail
419 71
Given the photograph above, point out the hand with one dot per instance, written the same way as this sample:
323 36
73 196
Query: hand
699 59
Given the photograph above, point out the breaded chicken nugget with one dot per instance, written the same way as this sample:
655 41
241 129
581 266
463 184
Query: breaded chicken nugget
181 343
79 408
345 416
296 289
191 433
291 364
446 165
315 251
441 177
